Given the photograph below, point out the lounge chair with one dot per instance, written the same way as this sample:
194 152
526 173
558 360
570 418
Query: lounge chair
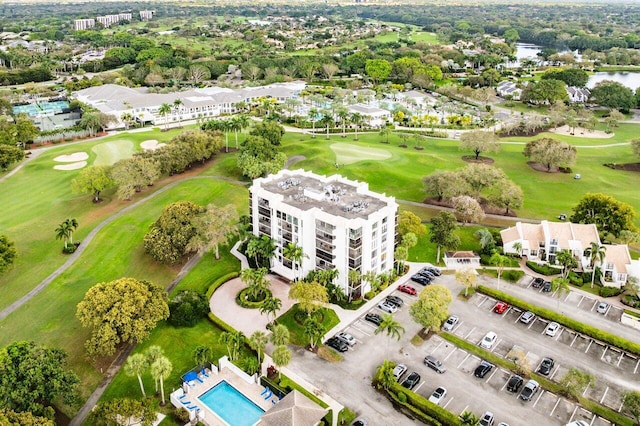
193 407
184 395
185 402
204 373
199 379
264 392
268 395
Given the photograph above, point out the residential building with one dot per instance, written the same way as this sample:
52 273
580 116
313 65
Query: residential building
578 94
146 15
84 24
372 116
508 88
541 242
339 224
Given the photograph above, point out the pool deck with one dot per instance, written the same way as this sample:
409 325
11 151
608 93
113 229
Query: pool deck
195 389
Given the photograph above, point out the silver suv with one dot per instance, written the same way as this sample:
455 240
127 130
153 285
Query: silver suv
434 364
529 390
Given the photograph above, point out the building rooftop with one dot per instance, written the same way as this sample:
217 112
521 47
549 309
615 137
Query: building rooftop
335 194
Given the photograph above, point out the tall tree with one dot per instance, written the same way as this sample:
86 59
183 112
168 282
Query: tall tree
500 262
631 404
635 147
93 180
310 296
62 233
294 253
258 341
560 286
152 354
507 195
271 306
576 381
467 209
8 253
121 311
445 184
432 307
201 354
550 152
392 328
614 95
9 154
164 110
468 278
112 412
233 340
357 120
136 365
443 229
409 222
213 227
607 213
479 141
313 329
279 335
32 377
161 369
72 225
567 261
596 253
281 357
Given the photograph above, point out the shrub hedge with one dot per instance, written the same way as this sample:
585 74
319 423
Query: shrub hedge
243 300
610 291
545 383
543 269
570 323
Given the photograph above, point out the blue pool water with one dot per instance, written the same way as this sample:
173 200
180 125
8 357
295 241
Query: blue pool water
231 405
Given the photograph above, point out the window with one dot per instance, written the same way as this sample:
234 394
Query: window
534 253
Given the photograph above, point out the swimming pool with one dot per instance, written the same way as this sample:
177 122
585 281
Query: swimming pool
231 405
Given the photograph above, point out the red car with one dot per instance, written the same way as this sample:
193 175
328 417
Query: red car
407 289
500 307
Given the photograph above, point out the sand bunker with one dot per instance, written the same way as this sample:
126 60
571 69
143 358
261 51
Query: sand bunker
151 145
72 158
72 166
582 133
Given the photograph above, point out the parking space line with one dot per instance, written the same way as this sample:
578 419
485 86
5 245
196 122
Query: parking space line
559 334
465 358
574 339
588 346
555 406
447 404
636 369
581 299
469 333
539 396
568 295
484 299
574 413
517 319
495 346
436 348
532 322
465 409
457 327
491 375
585 390
450 353
595 303
604 394
555 371
419 386
604 352
620 359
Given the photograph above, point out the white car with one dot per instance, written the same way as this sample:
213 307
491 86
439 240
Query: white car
578 423
602 308
388 307
450 323
347 338
399 370
488 340
487 419
438 395
552 329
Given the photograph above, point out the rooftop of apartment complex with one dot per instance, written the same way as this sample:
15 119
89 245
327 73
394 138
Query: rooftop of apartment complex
335 194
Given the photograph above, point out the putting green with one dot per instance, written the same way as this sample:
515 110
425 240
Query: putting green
347 153
109 152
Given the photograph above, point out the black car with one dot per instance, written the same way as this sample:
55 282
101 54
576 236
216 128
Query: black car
411 381
426 273
514 383
547 286
374 318
546 366
337 344
435 271
483 369
395 300
537 283
420 279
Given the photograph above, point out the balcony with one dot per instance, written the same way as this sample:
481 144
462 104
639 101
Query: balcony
354 253
324 255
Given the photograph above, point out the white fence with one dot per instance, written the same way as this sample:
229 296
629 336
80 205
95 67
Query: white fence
225 363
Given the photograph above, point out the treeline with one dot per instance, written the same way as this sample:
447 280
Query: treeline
25 76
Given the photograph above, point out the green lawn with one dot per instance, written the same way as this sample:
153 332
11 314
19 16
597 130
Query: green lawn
296 330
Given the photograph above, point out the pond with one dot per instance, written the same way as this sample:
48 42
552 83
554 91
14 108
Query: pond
628 79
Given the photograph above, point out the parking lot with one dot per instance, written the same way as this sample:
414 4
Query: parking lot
615 371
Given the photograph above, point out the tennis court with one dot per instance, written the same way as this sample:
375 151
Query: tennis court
45 108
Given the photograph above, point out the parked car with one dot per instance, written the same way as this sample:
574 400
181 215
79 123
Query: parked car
438 395
546 287
433 363
537 282
552 329
407 289
578 423
374 318
435 271
399 370
487 419
514 383
546 366
527 317
500 307
359 422
411 381
395 300
450 323
529 390
482 369
420 279
602 308
388 307
427 274
337 344
347 338
488 340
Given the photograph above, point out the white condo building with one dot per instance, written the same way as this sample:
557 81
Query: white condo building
84 24
146 15
339 223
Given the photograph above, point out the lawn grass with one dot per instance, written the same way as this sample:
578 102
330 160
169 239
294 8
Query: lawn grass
296 330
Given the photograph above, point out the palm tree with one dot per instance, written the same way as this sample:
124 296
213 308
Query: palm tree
356 119
469 419
281 357
271 306
201 354
313 114
256 282
234 124
499 261
314 330
279 335
62 232
126 117
386 374
343 115
177 103
258 341
244 122
487 243
153 353
326 121
385 131
597 254
72 223
295 254
517 246
161 369
561 286
136 365
163 111
391 327
267 247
